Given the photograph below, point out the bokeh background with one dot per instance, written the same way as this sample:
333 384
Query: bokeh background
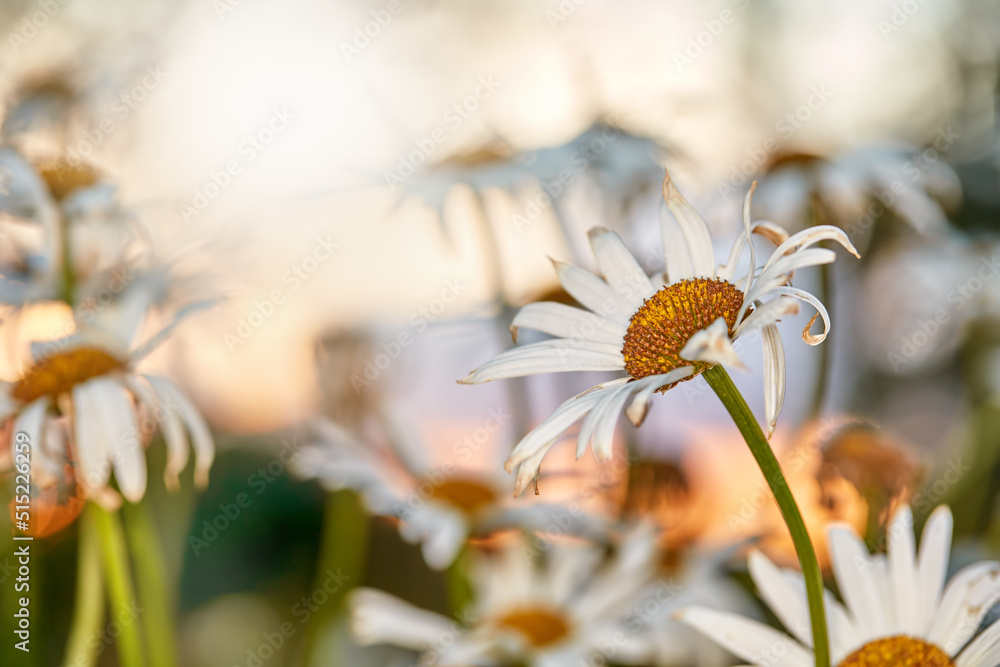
369 190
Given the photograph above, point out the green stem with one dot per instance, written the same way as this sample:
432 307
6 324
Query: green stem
121 594
342 556
88 612
144 542
67 285
457 580
730 396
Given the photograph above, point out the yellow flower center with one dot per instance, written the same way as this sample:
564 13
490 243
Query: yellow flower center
541 627
61 372
664 324
63 178
897 652
467 495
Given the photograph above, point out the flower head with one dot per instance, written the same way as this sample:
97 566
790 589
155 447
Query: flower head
659 330
82 403
897 609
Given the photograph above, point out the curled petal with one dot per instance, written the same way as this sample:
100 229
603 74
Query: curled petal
713 345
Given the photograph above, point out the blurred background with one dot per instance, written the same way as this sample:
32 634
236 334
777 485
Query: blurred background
369 190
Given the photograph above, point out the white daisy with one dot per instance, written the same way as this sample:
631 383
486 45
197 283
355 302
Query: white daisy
897 608
558 613
438 507
82 401
660 330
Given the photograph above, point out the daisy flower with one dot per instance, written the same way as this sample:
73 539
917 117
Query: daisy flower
439 508
83 402
897 609
659 330
557 613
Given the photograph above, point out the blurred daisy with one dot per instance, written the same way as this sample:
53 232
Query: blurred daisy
857 188
439 508
896 612
659 330
44 202
83 402
558 613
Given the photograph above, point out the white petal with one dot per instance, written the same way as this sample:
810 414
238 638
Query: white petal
712 344
380 618
769 230
766 314
644 388
593 293
527 470
856 576
90 441
784 599
675 251
550 356
201 435
443 543
932 565
843 637
903 573
542 436
125 447
810 236
170 424
778 273
969 595
619 268
749 238
750 640
599 426
694 229
811 339
774 375
562 321
983 651
31 422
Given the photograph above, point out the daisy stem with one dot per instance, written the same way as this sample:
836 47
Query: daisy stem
341 564
730 396
150 570
88 611
457 580
119 580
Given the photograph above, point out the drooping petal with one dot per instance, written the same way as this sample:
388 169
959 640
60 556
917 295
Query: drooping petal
811 236
774 375
593 293
713 345
90 440
173 431
201 435
644 388
619 268
550 356
932 565
31 422
125 446
810 338
749 238
599 426
767 314
746 638
777 274
969 595
528 469
769 230
562 321
693 229
554 425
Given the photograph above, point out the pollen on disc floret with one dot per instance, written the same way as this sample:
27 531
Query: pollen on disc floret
660 329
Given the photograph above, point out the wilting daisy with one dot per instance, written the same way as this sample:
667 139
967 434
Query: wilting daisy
897 608
660 330
559 609
439 508
83 402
